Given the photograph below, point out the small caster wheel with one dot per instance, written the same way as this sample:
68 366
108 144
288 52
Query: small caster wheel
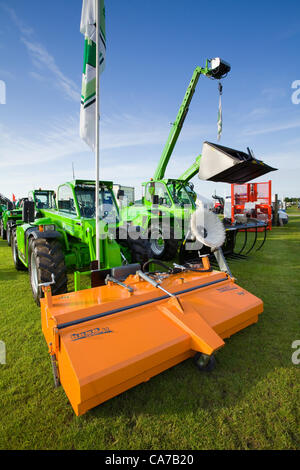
204 362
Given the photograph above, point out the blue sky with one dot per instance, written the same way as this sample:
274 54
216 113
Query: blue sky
152 50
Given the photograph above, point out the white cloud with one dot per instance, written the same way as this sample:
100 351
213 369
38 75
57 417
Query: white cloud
128 154
287 160
37 76
60 141
257 113
274 93
42 59
18 22
272 128
6 74
125 130
45 159
61 138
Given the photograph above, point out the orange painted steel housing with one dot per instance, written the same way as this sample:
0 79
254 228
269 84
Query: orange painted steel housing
106 340
259 193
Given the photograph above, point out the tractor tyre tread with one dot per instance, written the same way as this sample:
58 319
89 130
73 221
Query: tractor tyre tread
49 260
140 250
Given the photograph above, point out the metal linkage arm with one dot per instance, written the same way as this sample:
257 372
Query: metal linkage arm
191 171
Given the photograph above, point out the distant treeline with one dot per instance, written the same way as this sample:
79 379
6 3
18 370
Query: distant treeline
294 200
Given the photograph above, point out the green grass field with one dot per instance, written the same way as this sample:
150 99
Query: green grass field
250 401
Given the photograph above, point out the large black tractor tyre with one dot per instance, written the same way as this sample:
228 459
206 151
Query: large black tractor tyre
14 248
2 231
162 247
139 247
140 250
45 257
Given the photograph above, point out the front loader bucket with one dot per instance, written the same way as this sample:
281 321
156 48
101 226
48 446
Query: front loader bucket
108 339
226 165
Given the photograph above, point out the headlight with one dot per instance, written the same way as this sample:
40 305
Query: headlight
46 228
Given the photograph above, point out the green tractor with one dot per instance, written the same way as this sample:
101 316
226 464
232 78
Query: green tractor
64 238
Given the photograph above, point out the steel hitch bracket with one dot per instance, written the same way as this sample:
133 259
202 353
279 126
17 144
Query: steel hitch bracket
50 283
46 288
175 301
119 283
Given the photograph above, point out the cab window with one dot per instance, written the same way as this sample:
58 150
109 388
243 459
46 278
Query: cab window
85 195
182 195
44 200
66 200
157 192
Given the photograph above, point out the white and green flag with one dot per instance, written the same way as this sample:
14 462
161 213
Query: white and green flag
88 94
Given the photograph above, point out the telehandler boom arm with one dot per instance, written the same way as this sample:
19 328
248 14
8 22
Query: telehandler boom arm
217 69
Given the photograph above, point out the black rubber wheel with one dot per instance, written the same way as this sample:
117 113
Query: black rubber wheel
45 257
14 247
139 249
3 232
130 239
204 363
162 246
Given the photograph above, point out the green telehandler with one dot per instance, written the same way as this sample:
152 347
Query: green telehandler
5 204
167 204
165 211
41 198
64 237
10 218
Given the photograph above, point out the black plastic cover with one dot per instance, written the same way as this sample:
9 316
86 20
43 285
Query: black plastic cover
28 211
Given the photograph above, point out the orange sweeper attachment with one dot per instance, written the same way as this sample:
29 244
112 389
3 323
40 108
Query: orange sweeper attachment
107 339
